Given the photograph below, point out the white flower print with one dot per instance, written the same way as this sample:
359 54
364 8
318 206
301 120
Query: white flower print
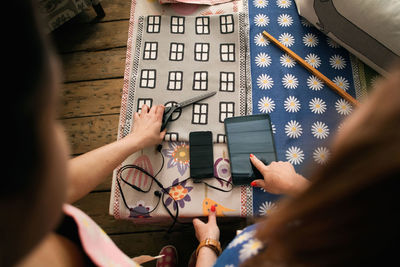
332 43
273 128
260 40
285 20
314 83
264 82
291 104
263 60
261 20
266 105
290 81
343 107
321 155
294 155
243 237
313 60
287 61
293 129
266 208
341 82
310 40
337 62
319 130
260 3
283 3
317 105
305 22
249 249
286 39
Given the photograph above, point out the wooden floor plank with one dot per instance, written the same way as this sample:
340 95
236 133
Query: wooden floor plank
105 186
85 66
116 9
92 37
87 133
151 243
82 99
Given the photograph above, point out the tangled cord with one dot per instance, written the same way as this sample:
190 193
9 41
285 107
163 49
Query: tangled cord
164 190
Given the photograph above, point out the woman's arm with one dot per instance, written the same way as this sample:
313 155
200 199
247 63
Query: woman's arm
206 256
87 171
279 177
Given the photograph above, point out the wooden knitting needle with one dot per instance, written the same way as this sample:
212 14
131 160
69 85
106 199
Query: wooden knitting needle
310 68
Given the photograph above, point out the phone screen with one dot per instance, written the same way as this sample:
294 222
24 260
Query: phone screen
201 154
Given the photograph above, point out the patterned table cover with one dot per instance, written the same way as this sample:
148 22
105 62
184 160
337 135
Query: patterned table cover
304 112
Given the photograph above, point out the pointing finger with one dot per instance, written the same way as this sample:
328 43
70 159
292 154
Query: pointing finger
256 162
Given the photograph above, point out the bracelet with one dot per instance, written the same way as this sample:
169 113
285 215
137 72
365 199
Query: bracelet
211 243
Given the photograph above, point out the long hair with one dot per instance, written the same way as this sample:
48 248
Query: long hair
349 216
27 77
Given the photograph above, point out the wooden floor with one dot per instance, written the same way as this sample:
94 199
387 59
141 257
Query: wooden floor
93 59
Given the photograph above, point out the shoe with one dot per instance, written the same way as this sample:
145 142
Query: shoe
170 259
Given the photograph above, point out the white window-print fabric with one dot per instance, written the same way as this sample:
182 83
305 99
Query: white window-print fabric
176 51
202 25
150 50
184 56
153 24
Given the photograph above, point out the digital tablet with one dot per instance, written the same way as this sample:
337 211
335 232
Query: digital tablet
248 135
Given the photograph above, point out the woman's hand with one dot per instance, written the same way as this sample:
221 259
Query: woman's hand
146 127
279 177
209 229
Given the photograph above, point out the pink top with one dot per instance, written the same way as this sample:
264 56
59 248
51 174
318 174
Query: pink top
97 245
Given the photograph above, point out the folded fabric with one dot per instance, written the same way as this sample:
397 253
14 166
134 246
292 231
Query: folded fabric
195 2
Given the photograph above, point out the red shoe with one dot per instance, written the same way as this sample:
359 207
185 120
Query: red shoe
170 259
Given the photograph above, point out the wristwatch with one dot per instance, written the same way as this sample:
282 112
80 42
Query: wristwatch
211 243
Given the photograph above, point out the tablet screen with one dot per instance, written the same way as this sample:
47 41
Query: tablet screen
248 135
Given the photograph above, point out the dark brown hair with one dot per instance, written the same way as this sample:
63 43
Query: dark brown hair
27 56
26 68
349 216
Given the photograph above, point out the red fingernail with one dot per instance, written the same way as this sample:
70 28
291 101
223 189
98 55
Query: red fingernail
213 208
253 183
251 155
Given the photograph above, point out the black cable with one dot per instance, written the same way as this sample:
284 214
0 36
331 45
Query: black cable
163 189
126 204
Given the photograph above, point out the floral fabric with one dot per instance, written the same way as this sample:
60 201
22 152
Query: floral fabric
241 248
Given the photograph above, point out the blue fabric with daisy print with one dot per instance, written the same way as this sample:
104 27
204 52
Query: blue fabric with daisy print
241 248
304 112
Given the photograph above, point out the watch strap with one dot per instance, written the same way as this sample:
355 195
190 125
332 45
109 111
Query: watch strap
211 243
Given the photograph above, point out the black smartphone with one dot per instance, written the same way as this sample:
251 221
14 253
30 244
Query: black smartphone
248 135
201 155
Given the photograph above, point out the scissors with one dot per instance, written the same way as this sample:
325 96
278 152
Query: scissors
170 110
